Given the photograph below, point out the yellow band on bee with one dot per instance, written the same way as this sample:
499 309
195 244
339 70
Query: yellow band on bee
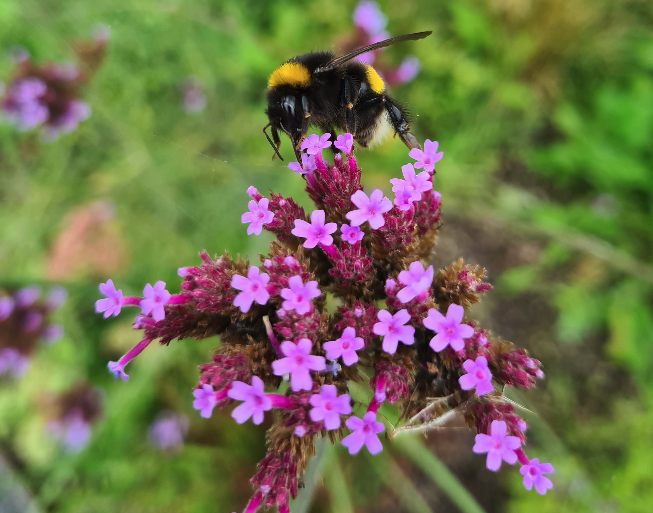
375 81
292 74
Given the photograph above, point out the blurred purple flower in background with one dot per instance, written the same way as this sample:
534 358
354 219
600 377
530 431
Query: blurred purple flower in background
193 97
168 431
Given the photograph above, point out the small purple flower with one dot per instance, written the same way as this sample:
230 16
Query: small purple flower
345 143
255 400
369 209
155 298
416 279
351 234
168 430
298 296
478 375
314 143
194 99
533 475
111 304
407 70
23 106
12 362
258 216
6 307
32 321
52 334
328 407
497 445
316 232
346 346
428 157
27 296
55 298
413 183
307 165
205 400
253 288
450 331
393 329
73 114
73 432
365 432
368 16
404 199
118 370
298 363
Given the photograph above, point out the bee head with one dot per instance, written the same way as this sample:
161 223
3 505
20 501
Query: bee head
286 114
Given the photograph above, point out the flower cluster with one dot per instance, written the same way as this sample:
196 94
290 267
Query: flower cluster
48 96
363 250
25 324
370 25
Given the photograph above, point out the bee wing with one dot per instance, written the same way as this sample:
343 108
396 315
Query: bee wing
381 44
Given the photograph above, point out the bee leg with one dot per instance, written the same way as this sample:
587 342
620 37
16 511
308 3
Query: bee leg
348 101
400 124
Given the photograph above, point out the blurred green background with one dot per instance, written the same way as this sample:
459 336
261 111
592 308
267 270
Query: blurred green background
544 111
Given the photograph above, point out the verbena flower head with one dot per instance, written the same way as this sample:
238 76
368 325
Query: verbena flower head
398 318
25 324
47 97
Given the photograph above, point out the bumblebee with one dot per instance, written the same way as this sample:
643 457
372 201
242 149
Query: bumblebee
331 93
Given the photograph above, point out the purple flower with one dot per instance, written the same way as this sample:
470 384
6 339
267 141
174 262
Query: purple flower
155 298
6 307
255 400
416 184
27 296
118 370
253 289
328 407
344 143
346 346
168 430
205 400
74 113
23 106
298 296
52 334
533 475
314 143
351 234
73 432
307 165
450 331
393 329
298 363
369 209
194 99
365 432
416 279
428 157
369 17
258 215
55 298
497 445
408 70
404 199
32 321
12 362
111 304
478 375
315 233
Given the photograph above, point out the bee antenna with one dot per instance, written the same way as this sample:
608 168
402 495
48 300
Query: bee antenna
271 143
